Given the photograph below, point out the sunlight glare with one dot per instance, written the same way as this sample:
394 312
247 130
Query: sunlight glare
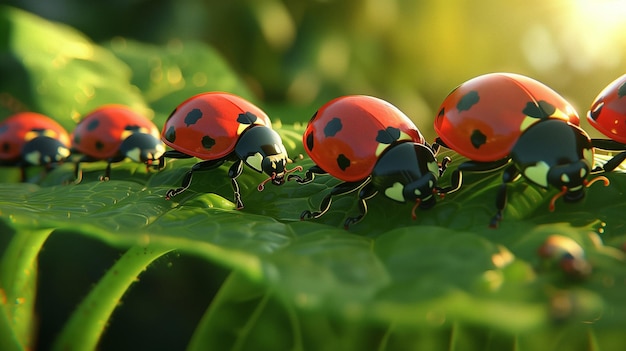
595 34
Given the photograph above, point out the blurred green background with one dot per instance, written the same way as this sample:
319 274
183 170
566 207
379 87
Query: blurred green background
301 53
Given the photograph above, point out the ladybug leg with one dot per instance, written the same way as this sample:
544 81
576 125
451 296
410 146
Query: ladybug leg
509 175
107 172
339 189
200 166
609 145
234 172
308 176
22 172
366 193
456 179
444 165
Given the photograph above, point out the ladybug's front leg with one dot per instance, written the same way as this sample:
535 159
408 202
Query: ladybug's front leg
609 145
509 175
234 172
200 166
368 192
308 176
339 189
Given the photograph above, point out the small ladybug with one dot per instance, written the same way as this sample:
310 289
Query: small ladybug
567 254
113 133
608 115
505 120
32 139
217 127
370 145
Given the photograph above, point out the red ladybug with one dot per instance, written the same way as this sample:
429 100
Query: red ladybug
218 127
567 254
113 133
505 120
32 139
370 145
608 115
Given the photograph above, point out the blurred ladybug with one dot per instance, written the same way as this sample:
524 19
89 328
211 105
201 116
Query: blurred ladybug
32 139
217 127
370 145
113 133
505 120
567 254
608 115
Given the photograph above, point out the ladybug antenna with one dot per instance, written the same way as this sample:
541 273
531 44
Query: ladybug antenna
262 185
418 201
556 197
602 178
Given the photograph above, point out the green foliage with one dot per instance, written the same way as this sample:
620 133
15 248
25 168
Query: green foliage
442 281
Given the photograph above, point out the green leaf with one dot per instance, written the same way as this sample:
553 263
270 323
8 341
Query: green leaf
169 75
51 68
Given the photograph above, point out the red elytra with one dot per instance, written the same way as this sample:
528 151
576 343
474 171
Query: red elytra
208 125
18 129
101 132
347 135
608 110
482 118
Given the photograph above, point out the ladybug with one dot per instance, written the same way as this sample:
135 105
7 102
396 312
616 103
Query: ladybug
370 145
608 115
113 133
509 121
567 254
217 127
32 139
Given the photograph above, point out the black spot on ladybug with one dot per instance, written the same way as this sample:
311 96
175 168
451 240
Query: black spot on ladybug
478 138
388 136
93 124
468 100
333 127
621 91
343 162
193 116
309 141
207 142
170 134
99 145
542 109
4 128
247 118
595 113
6 147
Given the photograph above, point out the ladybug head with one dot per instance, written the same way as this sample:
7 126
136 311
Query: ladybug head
408 172
262 149
142 147
44 150
275 167
553 153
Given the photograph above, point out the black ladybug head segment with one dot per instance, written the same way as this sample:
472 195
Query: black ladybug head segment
142 147
44 151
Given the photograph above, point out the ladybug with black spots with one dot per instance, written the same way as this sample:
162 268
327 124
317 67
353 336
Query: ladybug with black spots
370 145
217 127
567 254
608 115
32 139
113 133
513 122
